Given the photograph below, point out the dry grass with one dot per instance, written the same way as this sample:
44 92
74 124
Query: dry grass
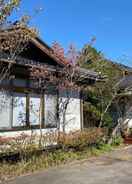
89 143
46 160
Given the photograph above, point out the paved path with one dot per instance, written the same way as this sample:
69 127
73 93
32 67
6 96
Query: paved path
113 168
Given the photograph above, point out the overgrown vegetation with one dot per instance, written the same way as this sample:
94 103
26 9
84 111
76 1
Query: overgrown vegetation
100 97
25 144
80 139
48 159
75 146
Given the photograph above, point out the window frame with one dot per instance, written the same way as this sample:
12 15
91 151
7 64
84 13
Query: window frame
28 125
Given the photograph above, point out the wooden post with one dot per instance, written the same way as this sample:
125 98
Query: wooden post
81 113
42 111
27 110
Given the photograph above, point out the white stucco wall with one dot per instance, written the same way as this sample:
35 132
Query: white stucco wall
72 117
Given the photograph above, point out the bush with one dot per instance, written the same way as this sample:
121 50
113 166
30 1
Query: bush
117 141
25 142
77 145
23 146
81 139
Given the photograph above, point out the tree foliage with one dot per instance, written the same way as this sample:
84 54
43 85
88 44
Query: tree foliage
100 96
6 8
72 54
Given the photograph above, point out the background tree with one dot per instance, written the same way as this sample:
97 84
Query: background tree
6 8
58 50
102 98
72 54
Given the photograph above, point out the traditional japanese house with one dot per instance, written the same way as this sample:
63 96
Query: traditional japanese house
20 101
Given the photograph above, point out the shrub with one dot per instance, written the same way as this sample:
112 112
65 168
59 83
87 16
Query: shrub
118 140
23 146
81 139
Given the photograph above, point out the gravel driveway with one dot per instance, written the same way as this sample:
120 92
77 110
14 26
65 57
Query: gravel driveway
112 168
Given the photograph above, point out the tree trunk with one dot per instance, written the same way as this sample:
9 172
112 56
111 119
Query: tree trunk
114 132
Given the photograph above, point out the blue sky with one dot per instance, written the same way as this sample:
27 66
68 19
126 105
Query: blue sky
77 21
